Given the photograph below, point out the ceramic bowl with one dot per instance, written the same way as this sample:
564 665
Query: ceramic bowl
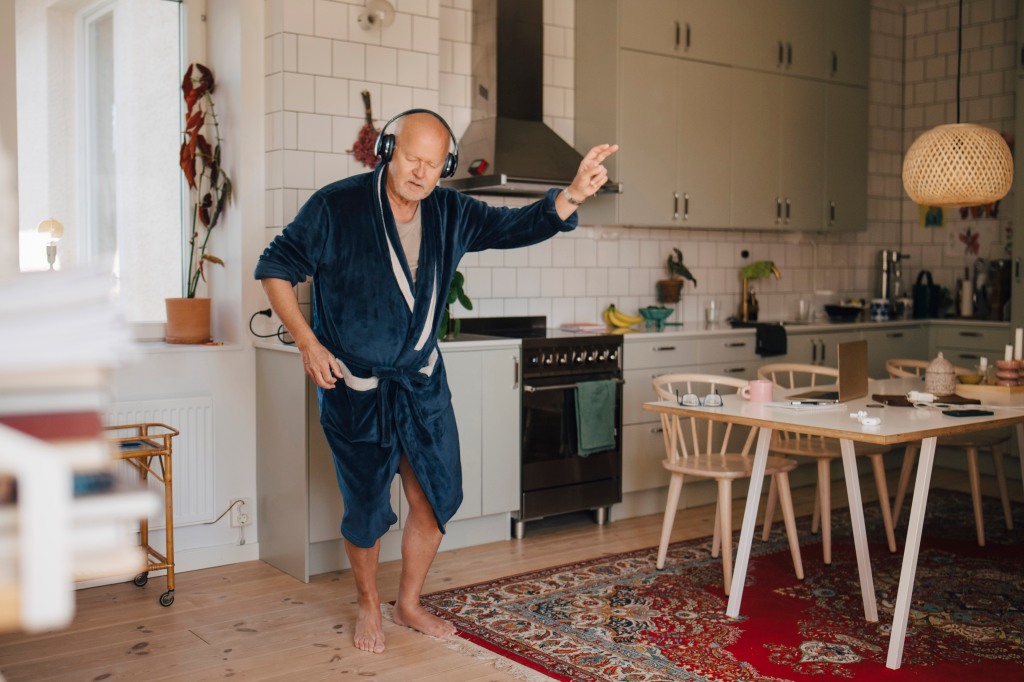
654 316
969 378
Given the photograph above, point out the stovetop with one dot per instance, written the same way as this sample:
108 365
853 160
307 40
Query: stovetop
533 330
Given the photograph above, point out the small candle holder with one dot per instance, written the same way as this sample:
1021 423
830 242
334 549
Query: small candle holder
1007 372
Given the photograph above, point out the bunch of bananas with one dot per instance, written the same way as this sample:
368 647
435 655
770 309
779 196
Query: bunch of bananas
616 318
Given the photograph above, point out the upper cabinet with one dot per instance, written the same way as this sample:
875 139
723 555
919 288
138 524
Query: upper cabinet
808 38
718 126
692 29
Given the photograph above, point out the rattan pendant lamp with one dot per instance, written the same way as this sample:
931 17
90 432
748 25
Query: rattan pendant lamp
958 164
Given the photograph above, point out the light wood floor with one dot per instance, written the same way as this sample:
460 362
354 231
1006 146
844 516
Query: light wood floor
252 622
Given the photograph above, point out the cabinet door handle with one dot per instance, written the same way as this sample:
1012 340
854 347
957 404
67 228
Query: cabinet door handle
969 356
971 334
789 54
831 213
675 206
515 372
677 35
664 348
778 210
735 370
657 429
736 344
814 352
895 335
687 36
782 55
822 342
835 62
787 210
686 206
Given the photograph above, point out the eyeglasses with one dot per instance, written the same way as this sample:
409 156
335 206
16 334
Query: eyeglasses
693 400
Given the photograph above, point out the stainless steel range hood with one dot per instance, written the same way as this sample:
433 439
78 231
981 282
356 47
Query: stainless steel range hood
523 156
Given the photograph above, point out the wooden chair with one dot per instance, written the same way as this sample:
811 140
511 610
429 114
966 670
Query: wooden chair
706 449
824 451
971 443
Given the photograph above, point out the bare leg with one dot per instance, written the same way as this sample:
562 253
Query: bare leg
420 540
369 633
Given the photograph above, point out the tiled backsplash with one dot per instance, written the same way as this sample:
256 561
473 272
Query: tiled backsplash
319 60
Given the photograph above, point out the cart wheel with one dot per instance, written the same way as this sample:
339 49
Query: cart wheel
141 579
167 598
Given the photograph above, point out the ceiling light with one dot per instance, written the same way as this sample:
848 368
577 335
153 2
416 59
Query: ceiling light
961 164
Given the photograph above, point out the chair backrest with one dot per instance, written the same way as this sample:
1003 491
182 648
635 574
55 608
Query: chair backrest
684 437
901 368
797 375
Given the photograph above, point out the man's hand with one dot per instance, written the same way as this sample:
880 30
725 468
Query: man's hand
590 177
320 365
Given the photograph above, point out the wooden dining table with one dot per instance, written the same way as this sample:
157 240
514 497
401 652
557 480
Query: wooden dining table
851 422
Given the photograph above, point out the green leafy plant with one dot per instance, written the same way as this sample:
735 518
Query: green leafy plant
759 270
209 186
676 269
456 292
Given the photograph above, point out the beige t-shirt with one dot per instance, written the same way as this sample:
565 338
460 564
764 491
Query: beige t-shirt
411 233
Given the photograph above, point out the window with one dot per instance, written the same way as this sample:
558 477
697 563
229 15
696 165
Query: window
99 121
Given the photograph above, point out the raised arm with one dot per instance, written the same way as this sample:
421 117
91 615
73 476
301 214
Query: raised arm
590 177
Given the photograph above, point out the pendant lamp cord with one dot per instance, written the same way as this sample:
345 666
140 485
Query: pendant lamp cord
959 53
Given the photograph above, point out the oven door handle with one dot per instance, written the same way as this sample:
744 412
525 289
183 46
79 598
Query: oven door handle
557 387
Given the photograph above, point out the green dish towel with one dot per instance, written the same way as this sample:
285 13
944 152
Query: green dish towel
595 416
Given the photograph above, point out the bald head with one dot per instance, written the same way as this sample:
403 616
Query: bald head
422 127
421 147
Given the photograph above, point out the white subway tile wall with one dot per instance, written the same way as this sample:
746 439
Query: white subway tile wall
318 61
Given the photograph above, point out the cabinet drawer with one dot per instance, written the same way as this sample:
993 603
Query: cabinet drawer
638 390
667 352
734 348
738 369
981 339
643 450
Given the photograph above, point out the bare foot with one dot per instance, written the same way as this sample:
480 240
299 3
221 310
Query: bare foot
369 634
420 619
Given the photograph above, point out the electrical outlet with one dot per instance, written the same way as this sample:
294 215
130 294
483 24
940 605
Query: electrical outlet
240 513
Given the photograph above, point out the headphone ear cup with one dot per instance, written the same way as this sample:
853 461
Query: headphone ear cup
385 147
451 162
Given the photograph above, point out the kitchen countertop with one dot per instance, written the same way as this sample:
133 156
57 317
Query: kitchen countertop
475 341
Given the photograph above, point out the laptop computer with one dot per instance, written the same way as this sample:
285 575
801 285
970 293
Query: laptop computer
853 376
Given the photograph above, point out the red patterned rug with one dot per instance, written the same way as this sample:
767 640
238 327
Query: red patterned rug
618 618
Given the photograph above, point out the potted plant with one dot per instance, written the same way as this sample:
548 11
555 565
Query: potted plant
450 326
669 290
188 318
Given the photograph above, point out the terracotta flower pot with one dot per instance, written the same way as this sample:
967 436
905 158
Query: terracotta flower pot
669 290
188 320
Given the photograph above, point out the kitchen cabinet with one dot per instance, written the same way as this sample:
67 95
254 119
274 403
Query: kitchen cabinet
643 446
671 142
299 504
893 341
965 344
815 347
721 145
692 29
806 38
778 125
846 158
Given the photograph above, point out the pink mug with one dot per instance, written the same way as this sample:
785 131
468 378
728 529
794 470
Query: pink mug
758 391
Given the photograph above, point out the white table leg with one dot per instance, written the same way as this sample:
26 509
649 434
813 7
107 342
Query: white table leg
739 574
901 613
860 535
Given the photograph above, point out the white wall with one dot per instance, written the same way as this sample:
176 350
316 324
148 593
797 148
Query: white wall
8 144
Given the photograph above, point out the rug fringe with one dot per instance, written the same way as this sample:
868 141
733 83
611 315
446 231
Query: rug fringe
476 652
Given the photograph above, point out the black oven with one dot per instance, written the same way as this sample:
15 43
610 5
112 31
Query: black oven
554 477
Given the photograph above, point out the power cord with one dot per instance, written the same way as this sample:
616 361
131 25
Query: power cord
281 333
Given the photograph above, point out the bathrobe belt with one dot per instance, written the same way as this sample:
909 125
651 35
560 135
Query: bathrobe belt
390 380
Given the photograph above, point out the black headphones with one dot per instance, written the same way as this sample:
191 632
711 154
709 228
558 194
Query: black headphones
385 147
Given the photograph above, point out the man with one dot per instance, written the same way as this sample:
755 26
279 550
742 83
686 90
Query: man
382 249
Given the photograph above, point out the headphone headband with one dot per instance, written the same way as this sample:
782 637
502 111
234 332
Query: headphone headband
385 146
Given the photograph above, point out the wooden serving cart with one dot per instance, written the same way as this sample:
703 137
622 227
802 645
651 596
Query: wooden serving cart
147 447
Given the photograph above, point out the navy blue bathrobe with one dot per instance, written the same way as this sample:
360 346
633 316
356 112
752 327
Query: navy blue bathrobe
382 326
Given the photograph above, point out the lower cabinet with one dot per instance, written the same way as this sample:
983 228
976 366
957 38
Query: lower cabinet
299 503
904 341
964 345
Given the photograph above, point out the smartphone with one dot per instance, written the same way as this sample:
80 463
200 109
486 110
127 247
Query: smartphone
967 413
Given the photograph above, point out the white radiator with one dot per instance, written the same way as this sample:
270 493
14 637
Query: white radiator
192 458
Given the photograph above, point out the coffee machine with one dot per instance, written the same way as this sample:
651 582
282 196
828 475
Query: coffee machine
890 275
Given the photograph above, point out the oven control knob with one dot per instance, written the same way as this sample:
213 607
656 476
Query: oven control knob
604 354
564 359
548 359
592 357
581 357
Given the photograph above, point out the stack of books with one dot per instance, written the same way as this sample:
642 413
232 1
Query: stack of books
65 515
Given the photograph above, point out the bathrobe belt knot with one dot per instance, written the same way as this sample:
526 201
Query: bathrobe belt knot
390 380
